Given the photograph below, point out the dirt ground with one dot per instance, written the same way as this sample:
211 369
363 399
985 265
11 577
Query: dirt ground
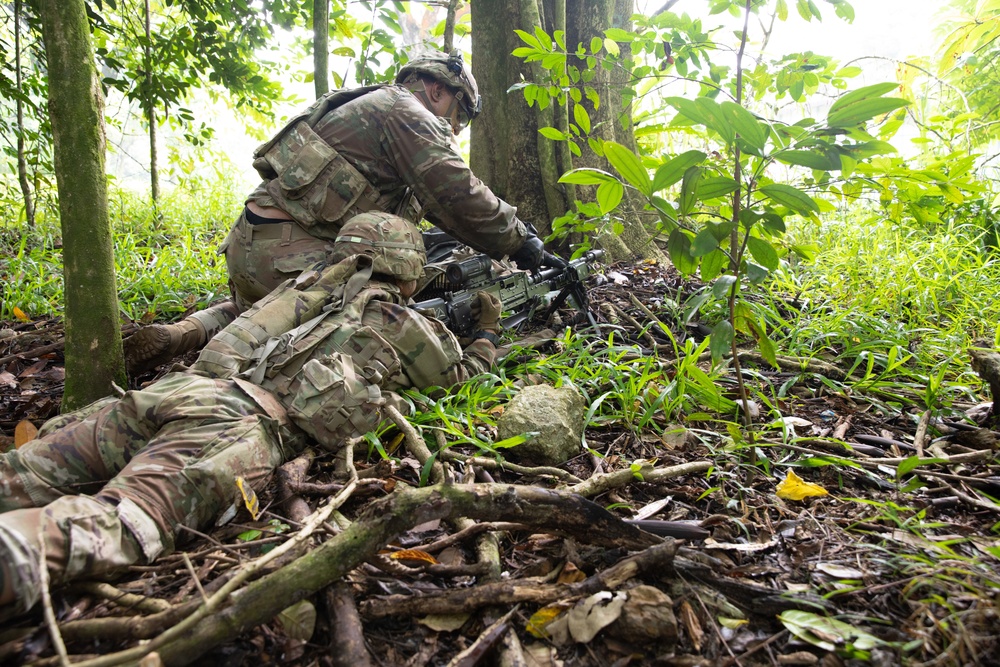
895 565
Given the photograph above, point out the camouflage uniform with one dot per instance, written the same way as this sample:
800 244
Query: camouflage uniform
311 360
386 146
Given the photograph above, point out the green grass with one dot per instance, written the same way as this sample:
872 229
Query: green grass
165 259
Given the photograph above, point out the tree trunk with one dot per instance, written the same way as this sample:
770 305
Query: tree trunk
508 153
321 47
22 162
93 339
154 172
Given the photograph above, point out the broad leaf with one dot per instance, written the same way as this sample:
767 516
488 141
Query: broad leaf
679 249
713 264
864 111
586 176
717 186
791 197
609 195
704 243
721 340
806 159
748 127
672 171
629 166
689 190
763 252
722 286
582 118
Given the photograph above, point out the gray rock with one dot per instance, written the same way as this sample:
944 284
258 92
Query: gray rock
555 414
647 616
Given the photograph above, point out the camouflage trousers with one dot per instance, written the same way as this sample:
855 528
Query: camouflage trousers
261 257
153 461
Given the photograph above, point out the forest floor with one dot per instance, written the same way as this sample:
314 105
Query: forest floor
897 564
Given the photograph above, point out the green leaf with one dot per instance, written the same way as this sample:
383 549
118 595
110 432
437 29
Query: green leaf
596 44
582 118
756 273
721 340
763 252
553 133
679 249
618 35
249 535
718 186
704 243
791 197
529 39
716 120
911 462
722 286
609 195
629 166
806 159
712 264
748 127
863 104
768 350
672 171
827 633
807 251
689 190
586 176
612 47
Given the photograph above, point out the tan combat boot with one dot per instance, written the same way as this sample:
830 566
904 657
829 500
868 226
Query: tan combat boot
157 344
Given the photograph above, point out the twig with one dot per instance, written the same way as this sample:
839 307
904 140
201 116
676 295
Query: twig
194 577
121 598
598 484
50 615
470 531
918 438
493 464
473 655
416 444
348 637
972 500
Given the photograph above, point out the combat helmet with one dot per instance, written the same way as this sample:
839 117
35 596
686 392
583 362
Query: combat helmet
394 244
450 70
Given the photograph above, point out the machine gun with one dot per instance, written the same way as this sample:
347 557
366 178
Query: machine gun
450 296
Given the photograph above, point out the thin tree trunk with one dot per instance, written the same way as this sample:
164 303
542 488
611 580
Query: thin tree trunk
449 25
22 163
154 172
93 350
321 46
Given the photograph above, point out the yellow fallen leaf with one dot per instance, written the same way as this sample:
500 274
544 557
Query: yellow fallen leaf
414 555
249 497
19 314
541 618
24 432
794 487
571 574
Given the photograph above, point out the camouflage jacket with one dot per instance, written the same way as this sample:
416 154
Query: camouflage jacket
325 346
385 144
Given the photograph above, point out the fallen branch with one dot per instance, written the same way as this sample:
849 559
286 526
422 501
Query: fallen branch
494 464
465 600
262 599
598 484
348 636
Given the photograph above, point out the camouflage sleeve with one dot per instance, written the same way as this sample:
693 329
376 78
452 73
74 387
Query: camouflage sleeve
428 352
452 197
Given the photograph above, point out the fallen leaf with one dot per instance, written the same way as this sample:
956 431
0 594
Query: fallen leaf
541 655
413 557
299 620
839 571
8 380
24 432
249 497
539 621
19 314
570 574
692 624
794 487
444 622
587 618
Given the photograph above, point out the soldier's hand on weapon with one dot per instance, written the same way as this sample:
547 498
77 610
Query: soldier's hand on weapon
554 261
489 312
529 256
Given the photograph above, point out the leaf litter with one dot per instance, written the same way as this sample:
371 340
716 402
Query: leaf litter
896 564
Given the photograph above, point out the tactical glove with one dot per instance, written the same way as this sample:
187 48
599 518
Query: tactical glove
529 256
555 261
489 312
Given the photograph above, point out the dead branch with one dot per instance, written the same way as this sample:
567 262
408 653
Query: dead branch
124 600
464 600
348 638
598 484
261 600
494 464
416 444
